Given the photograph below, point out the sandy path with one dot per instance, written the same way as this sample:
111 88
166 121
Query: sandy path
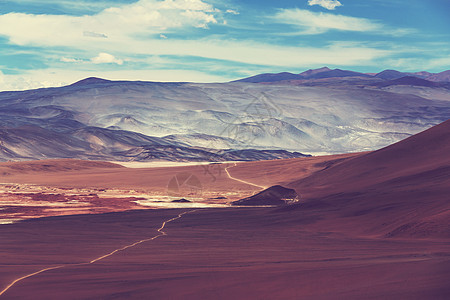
161 233
240 180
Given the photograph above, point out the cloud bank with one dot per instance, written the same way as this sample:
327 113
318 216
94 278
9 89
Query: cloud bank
144 18
316 23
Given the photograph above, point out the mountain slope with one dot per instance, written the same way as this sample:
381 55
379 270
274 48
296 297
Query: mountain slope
327 73
312 72
320 73
101 119
442 77
390 74
271 77
32 142
396 191
413 81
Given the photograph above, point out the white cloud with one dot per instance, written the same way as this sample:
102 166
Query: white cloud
309 22
95 34
232 11
315 23
414 64
106 58
70 60
251 52
200 15
140 18
441 62
328 4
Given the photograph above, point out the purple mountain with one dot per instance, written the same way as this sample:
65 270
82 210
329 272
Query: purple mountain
325 72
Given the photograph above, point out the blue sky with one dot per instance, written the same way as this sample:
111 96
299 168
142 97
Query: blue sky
52 43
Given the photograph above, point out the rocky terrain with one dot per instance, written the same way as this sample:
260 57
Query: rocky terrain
334 111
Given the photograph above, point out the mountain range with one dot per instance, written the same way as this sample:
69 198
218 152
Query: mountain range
278 117
326 72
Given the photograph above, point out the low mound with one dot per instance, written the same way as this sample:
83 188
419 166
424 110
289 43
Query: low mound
275 195
181 201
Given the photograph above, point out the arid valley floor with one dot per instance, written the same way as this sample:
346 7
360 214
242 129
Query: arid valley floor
372 225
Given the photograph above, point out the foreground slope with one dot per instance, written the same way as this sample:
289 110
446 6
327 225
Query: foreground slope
215 254
401 190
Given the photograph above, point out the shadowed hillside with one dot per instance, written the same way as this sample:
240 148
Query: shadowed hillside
399 190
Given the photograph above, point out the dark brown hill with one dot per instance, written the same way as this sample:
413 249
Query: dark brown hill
402 189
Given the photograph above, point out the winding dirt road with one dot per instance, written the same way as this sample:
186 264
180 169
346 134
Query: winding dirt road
240 180
161 233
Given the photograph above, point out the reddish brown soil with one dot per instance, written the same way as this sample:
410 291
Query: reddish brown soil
146 179
401 190
284 171
56 181
217 254
84 174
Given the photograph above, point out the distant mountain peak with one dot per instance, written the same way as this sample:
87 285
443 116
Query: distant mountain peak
422 74
323 69
314 71
326 72
390 74
91 80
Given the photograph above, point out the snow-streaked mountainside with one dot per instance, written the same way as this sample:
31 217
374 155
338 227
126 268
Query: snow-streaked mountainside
120 120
